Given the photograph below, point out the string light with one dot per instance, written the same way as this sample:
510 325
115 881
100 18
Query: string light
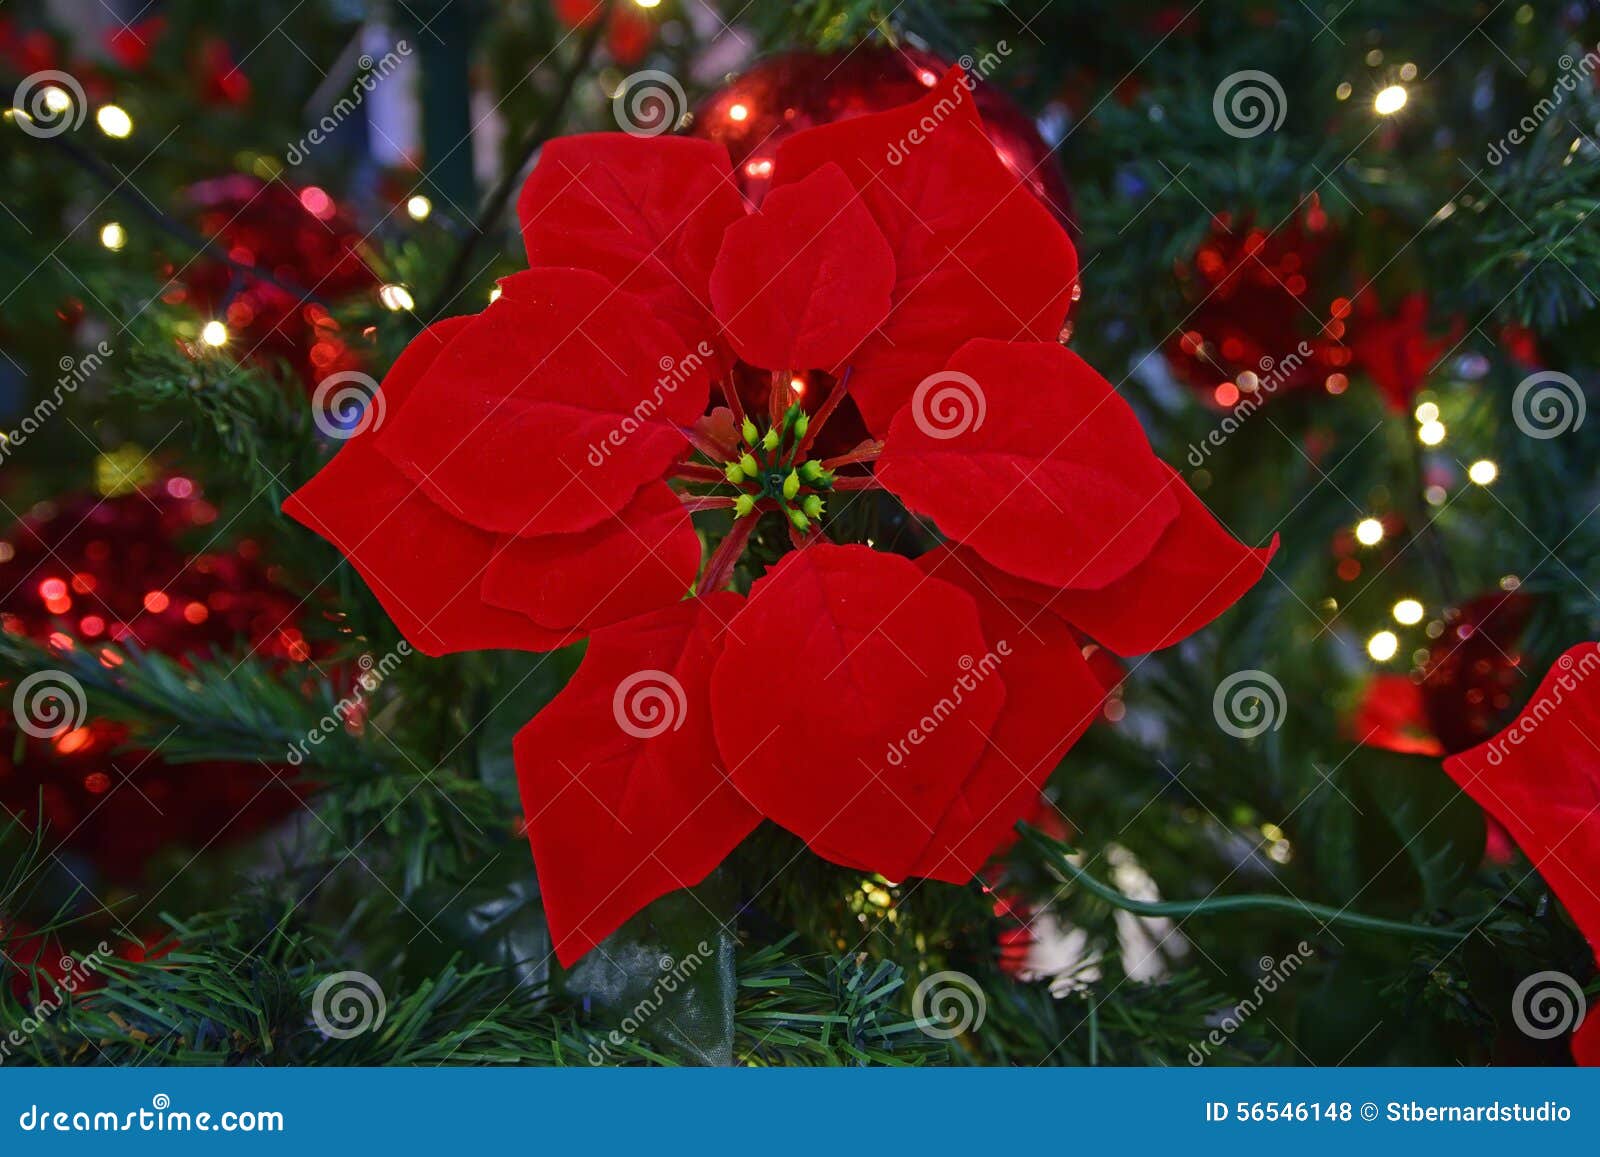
419 207
1390 100
1369 532
494 294
648 3
214 334
114 121
56 99
1383 646
396 298
1483 472
113 236
1427 412
1408 612
1431 433
738 112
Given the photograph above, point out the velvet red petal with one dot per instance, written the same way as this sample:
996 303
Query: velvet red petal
976 254
424 566
551 408
869 783
646 213
624 794
1586 1041
1540 777
1022 452
1052 695
646 557
798 285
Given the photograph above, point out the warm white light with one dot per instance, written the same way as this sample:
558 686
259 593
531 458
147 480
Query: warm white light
214 334
494 294
1408 612
419 207
648 3
798 385
1369 532
1383 646
56 99
113 236
114 121
1483 472
1390 101
1427 412
738 112
396 297
1431 433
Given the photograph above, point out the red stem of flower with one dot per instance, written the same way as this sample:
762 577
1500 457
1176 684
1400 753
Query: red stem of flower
866 452
707 446
730 391
824 411
696 472
720 568
779 395
857 482
695 502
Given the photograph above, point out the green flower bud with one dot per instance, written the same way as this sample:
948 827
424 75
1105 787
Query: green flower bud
802 424
799 520
734 473
748 464
812 506
743 505
770 442
811 471
750 432
791 485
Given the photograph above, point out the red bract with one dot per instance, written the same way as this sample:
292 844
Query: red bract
525 478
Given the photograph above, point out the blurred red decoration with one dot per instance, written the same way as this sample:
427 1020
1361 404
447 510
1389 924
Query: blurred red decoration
753 114
92 573
1470 679
1391 716
1395 348
301 239
629 35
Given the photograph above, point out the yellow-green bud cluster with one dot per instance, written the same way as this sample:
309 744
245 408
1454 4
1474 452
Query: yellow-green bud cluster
766 469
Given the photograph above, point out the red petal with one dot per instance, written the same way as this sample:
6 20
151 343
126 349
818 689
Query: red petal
800 283
647 213
1028 456
975 253
868 784
1586 1041
624 794
424 566
551 409
646 557
1052 695
1540 777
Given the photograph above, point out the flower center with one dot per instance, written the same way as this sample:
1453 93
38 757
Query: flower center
773 467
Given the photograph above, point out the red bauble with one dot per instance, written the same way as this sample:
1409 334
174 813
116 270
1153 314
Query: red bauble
87 573
1264 321
1470 678
784 94
303 240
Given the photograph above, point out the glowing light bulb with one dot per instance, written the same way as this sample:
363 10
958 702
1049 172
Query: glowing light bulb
1483 472
1408 612
1369 532
113 236
1431 433
1427 412
114 121
1383 646
648 3
1390 100
214 334
396 297
494 294
56 99
419 207
738 112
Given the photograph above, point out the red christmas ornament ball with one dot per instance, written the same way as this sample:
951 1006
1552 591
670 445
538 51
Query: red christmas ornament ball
92 573
753 114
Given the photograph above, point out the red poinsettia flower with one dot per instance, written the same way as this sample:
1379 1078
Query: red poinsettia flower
1396 350
528 474
1540 777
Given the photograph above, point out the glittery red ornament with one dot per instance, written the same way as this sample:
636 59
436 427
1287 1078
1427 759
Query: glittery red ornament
1469 681
303 240
753 114
87 573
